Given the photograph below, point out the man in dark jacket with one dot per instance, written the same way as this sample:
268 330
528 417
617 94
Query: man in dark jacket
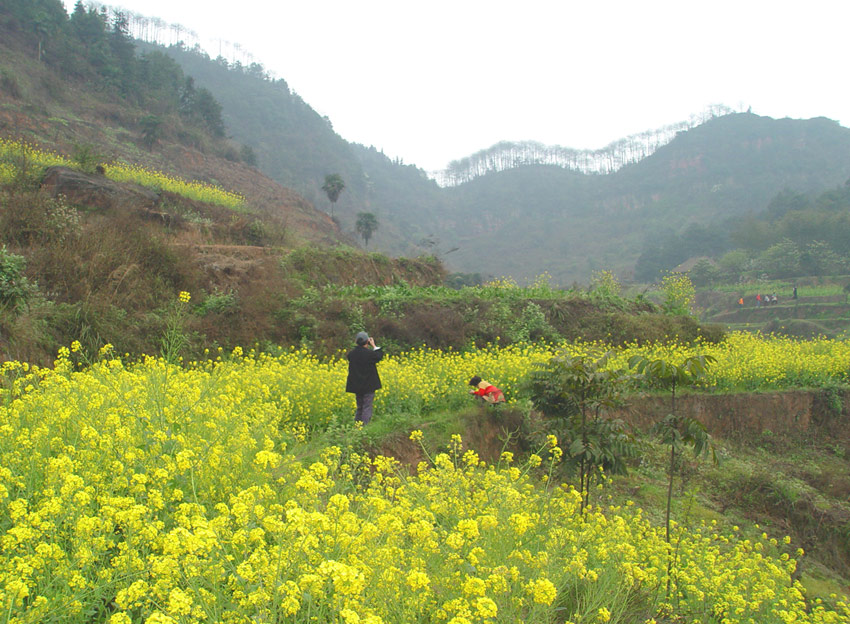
363 377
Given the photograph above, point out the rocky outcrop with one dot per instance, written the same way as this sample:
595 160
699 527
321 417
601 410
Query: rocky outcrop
96 191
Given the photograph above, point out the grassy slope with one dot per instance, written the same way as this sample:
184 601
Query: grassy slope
55 113
112 271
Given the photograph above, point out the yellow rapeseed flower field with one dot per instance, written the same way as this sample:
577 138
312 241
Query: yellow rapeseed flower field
20 153
208 193
14 154
148 492
7 173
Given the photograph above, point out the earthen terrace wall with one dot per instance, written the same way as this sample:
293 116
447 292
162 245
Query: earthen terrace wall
791 413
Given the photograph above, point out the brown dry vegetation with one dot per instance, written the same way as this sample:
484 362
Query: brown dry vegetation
109 260
108 266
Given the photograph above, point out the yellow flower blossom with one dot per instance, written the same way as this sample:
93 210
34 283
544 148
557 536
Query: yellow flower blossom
198 489
542 591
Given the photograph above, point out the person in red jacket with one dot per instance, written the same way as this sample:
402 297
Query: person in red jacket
486 391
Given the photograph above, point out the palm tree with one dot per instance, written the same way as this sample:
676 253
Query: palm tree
333 187
366 225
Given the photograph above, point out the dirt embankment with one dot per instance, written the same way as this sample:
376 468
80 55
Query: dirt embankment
732 416
794 414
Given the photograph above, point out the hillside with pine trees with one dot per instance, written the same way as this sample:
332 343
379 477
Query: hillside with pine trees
521 209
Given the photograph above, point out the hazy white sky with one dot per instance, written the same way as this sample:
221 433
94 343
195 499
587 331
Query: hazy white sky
433 81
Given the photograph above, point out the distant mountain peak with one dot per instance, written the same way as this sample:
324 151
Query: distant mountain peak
617 154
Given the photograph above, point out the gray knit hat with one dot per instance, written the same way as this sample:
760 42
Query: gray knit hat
361 338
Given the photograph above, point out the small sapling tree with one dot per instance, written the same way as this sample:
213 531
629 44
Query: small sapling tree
677 430
86 156
577 390
151 126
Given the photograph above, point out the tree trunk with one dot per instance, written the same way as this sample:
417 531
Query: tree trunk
667 522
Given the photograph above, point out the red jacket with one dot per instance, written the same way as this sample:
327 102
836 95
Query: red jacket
489 393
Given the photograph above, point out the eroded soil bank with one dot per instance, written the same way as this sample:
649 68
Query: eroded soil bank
793 413
803 415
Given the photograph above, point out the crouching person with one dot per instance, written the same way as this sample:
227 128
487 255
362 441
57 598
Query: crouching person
486 391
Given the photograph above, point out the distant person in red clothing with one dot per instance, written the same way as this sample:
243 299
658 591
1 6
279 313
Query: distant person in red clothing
486 391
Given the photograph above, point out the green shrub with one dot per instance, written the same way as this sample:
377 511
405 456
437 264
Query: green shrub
9 84
679 294
15 288
86 157
256 232
248 156
218 303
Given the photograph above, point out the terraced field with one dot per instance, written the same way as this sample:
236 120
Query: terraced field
807 316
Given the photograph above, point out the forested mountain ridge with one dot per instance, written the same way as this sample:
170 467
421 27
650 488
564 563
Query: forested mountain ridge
627 150
570 224
528 218
531 218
